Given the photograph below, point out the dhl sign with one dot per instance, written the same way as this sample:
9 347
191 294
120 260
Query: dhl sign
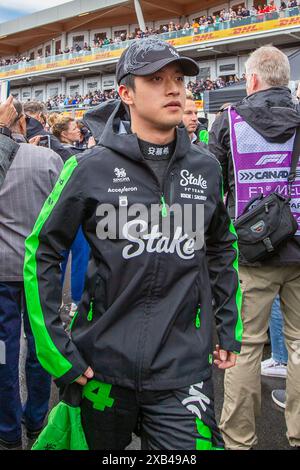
289 21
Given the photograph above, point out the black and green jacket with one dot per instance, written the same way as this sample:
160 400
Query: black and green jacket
145 319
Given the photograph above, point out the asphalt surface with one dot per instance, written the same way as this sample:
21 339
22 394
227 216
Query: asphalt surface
271 428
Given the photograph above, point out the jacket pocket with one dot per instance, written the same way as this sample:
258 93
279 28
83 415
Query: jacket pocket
98 304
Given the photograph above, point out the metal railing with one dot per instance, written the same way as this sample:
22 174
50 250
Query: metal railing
218 26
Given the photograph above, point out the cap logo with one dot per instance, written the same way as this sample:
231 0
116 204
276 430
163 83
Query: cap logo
135 57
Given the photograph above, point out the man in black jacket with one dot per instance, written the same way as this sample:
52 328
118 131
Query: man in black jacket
254 143
36 119
190 116
143 330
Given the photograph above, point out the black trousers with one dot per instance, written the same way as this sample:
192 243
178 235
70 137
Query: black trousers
181 419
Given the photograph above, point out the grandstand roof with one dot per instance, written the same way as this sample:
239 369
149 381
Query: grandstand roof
29 31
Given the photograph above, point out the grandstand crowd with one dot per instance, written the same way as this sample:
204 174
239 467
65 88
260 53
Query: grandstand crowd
197 25
88 100
96 97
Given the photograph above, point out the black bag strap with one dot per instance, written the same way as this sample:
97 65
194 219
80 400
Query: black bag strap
295 159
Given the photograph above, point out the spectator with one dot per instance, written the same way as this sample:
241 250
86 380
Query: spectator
209 84
29 181
65 129
272 6
68 132
195 26
232 14
52 118
239 12
220 83
190 116
231 80
245 13
268 119
36 118
86 139
226 15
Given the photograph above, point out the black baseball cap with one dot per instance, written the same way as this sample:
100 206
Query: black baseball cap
148 55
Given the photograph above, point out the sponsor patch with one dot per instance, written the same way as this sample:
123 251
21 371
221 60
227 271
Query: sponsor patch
258 227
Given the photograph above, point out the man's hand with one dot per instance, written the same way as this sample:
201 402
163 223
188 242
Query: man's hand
224 359
89 374
91 142
35 140
8 112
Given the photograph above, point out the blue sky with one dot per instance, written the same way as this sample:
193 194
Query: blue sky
11 9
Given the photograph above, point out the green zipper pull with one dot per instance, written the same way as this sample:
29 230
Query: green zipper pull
164 211
90 314
197 321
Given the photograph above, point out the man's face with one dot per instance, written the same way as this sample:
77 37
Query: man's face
158 99
190 117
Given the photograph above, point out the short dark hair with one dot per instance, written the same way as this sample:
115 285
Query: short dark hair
34 107
128 81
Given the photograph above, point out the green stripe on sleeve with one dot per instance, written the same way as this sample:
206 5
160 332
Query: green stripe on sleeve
238 296
48 354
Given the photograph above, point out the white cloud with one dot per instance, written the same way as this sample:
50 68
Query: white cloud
30 5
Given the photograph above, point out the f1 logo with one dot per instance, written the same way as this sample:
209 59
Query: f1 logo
2 353
272 158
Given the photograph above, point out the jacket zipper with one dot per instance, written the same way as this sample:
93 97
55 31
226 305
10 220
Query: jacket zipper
91 311
197 319
171 188
164 213
164 210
